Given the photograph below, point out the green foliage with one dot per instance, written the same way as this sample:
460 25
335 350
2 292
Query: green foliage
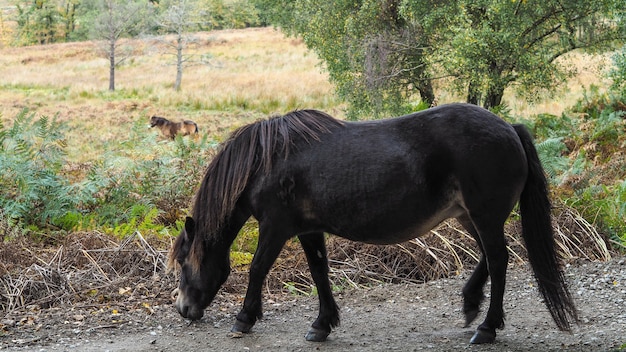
381 55
45 21
141 218
223 14
139 183
32 152
551 126
50 21
38 22
248 238
618 72
582 154
142 171
606 206
245 244
551 153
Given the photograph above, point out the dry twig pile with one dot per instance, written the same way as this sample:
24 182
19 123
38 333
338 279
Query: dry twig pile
91 268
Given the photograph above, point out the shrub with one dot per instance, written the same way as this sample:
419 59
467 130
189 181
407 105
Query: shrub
618 72
591 169
606 206
145 172
32 190
139 184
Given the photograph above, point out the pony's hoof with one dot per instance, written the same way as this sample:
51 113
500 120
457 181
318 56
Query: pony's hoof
316 335
240 327
470 317
483 336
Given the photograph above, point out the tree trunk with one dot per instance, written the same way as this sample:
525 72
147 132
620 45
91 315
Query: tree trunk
426 92
473 94
494 98
179 63
112 65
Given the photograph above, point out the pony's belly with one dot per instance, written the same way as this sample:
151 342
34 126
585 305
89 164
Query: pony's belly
393 232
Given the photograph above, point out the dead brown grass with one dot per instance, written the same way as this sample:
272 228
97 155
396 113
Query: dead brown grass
93 268
89 268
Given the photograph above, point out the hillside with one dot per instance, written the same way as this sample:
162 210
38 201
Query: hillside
246 74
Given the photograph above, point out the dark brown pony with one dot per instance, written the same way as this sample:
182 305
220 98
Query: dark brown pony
387 181
170 129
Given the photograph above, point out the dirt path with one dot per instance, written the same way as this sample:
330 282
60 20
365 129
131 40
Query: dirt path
385 318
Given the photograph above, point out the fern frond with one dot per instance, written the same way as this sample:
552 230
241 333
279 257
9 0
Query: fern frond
551 156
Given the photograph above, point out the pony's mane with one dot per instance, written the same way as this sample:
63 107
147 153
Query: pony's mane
248 150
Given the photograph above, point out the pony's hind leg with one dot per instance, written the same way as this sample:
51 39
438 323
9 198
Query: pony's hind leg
473 290
491 233
315 250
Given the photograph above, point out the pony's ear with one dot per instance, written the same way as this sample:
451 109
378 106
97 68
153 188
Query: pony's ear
190 226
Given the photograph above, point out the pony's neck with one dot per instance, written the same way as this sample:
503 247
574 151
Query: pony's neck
226 236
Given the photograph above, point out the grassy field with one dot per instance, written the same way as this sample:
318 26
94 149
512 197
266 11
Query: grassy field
250 74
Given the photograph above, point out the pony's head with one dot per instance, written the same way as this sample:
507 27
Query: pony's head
157 121
203 270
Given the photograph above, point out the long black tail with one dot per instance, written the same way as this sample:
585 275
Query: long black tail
539 238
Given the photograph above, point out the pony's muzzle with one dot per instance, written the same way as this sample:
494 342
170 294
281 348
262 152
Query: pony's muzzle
186 310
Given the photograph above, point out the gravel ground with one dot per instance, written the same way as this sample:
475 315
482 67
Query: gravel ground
392 317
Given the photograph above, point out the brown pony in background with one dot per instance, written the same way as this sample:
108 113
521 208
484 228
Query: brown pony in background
170 129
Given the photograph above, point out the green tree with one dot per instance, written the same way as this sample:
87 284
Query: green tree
37 22
490 44
376 59
45 21
618 72
219 14
67 10
382 53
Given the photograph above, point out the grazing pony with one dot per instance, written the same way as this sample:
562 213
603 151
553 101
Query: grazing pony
170 129
382 182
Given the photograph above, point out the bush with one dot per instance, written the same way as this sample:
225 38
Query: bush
606 205
32 190
144 173
582 153
140 183
618 72
223 14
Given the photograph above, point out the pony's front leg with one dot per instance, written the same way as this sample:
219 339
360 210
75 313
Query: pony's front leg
315 250
267 251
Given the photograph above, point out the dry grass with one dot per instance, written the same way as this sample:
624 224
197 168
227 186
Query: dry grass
92 268
589 71
252 73
254 63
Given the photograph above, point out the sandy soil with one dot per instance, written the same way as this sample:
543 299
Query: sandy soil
392 317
